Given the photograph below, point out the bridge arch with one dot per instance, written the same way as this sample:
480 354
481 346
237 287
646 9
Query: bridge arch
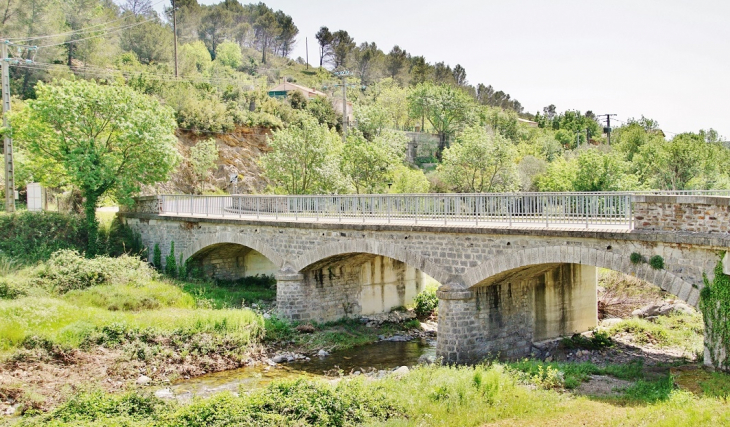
372 247
209 240
519 259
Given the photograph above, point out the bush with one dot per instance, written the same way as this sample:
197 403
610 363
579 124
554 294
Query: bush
121 239
656 262
157 257
298 402
29 237
636 258
599 340
170 262
67 270
426 302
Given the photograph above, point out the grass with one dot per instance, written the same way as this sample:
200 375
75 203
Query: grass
227 295
426 396
573 374
678 330
340 335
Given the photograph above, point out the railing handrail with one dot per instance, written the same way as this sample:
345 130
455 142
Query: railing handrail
513 194
569 209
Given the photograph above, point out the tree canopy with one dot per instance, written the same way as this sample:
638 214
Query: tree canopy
102 139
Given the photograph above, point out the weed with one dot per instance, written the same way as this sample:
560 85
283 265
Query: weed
656 262
636 258
426 302
599 340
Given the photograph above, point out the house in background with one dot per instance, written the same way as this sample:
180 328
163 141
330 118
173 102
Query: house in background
282 91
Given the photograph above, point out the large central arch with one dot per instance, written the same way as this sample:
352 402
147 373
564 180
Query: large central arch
564 254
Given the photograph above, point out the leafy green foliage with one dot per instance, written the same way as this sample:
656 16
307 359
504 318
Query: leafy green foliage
229 54
636 258
369 164
105 139
656 262
479 162
304 159
715 307
597 341
203 158
426 302
30 237
445 107
157 257
171 262
66 270
571 375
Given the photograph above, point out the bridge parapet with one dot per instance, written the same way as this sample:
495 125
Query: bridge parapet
689 213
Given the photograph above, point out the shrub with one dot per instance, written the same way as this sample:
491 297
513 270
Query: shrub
29 237
426 302
599 340
182 271
636 258
170 262
157 257
123 240
67 270
656 262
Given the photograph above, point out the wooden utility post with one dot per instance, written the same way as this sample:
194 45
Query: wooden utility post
174 34
8 142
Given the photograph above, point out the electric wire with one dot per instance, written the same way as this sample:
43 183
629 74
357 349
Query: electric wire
90 28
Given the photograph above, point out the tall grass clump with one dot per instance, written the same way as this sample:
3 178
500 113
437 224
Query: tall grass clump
29 237
67 270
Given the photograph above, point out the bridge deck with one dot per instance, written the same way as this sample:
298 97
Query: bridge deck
450 223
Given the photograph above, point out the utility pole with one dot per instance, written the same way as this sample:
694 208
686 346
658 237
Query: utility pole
306 45
8 142
607 129
343 75
174 34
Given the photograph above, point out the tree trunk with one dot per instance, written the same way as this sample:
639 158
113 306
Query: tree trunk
442 145
92 225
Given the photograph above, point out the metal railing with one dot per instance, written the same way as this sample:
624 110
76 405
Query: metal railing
508 209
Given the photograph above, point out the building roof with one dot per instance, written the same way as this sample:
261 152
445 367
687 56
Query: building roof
288 87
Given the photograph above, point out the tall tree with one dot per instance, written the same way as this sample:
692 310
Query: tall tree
203 158
288 33
267 30
445 107
342 47
459 75
442 73
396 61
214 27
366 58
105 139
324 39
420 70
368 164
304 159
480 162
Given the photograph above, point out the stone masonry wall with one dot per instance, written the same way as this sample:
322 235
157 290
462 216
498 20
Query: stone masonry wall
465 256
696 214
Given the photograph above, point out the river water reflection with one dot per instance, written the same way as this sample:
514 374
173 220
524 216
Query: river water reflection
382 355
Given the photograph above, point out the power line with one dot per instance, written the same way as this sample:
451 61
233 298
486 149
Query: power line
106 33
90 28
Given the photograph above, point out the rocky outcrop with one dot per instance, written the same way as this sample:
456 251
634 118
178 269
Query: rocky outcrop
238 150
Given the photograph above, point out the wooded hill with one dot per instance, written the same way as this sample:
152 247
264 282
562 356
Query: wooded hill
231 54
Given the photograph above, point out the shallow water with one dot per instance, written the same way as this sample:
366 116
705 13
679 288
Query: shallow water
382 355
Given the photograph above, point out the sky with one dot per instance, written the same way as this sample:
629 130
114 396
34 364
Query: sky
668 60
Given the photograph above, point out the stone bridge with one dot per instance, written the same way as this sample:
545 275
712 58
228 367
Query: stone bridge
501 287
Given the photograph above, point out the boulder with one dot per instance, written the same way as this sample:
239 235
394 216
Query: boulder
143 380
663 308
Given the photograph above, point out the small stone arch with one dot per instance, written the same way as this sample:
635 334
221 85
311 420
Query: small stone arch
207 240
375 248
617 261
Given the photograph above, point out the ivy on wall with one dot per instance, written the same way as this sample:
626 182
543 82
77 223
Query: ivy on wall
715 307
